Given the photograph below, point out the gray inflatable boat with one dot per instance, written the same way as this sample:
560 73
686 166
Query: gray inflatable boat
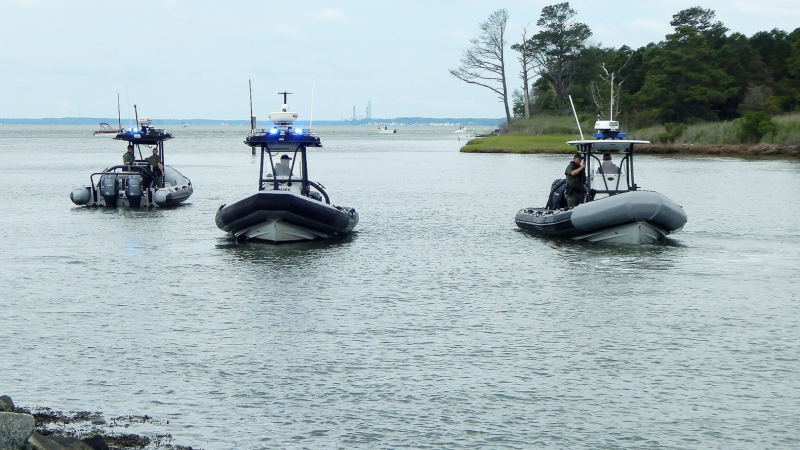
612 207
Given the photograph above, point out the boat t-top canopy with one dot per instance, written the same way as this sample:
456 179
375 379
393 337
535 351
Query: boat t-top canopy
607 145
143 134
284 140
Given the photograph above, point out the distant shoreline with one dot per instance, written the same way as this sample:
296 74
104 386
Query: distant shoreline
470 122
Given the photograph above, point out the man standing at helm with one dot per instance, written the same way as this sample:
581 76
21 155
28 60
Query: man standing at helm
576 177
127 158
157 168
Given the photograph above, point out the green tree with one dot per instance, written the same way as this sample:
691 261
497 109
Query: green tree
518 108
754 126
484 63
556 48
791 83
672 131
686 80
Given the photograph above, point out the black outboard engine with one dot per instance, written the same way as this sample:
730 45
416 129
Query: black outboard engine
557 199
108 189
134 190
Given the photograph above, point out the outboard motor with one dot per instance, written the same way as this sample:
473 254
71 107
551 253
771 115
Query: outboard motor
557 199
134 190
108 189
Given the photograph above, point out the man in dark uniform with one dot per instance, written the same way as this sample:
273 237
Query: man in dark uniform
157 168
127 158
576 176
282 168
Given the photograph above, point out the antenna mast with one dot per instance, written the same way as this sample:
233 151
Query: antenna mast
284 93
129 105
252 117
119 115
311 117
135 111
576 117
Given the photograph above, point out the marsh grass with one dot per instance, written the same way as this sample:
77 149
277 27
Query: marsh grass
787 133
520 143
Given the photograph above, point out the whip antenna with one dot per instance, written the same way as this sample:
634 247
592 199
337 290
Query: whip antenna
311 117
252 117
576 117
127 99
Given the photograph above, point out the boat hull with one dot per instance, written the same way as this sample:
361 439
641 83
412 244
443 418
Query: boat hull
635 217
282 216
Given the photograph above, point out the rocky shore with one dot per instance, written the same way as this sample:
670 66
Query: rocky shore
45 429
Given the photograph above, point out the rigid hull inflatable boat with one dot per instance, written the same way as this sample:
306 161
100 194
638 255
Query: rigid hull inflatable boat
134 184
288 207
612 207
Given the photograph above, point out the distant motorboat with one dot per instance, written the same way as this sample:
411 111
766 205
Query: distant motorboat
462 130
105 129
386 130
184 125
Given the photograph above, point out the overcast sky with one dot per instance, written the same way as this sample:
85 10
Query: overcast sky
183 59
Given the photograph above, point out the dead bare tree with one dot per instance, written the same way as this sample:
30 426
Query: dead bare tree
526 61
599 97
483 64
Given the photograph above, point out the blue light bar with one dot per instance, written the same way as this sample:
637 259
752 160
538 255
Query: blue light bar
273 131
298 131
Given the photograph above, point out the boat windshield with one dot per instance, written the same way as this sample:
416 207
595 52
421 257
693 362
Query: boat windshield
608 175
285 166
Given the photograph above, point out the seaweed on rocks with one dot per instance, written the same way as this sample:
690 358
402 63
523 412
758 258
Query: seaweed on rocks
98 432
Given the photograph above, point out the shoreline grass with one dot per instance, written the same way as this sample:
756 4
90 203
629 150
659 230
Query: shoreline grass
548 134
520 143
556 144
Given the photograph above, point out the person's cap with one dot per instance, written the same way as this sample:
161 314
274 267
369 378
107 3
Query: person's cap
577 155
285 157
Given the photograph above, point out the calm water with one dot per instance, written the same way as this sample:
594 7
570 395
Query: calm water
438 324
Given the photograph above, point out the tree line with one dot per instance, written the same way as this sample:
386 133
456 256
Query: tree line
699 72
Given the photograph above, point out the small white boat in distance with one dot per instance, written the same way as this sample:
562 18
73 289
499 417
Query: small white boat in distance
386 130
462 130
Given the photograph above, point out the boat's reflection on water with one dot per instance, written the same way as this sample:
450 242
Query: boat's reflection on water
289 253
661 255
129 213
